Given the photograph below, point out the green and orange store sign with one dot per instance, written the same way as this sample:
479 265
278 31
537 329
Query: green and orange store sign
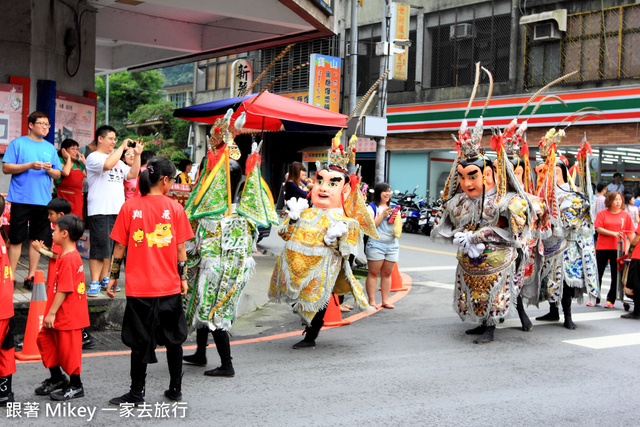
619 104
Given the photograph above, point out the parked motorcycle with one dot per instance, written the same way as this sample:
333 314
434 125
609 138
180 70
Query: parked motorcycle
428 216
410 212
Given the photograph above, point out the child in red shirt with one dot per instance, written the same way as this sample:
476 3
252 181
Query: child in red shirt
153 229
56 208
7 351
60 340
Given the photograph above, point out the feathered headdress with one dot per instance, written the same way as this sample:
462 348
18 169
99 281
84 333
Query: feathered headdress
467 143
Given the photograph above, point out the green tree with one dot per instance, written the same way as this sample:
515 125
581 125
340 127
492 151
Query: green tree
127 92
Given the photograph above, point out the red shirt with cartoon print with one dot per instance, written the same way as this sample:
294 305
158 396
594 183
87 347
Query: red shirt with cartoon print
152 227
69 277
6 284
51 273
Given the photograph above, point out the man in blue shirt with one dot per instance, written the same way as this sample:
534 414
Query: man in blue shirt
32 162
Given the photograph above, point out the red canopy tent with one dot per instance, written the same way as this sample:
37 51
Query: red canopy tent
268 112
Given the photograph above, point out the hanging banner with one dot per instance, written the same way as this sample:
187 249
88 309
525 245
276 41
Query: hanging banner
399 31
75 119
324 82
10 114
241 77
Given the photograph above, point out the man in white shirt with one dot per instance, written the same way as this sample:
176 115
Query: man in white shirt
617 184
106 174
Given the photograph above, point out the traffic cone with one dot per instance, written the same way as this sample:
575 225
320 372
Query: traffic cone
396 281
35 319
333 315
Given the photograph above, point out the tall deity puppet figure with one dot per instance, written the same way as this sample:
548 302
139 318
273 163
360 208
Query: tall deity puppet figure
220 261
314 263
486 214
569 268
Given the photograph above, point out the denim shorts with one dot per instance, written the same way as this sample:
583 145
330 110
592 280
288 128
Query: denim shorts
379 251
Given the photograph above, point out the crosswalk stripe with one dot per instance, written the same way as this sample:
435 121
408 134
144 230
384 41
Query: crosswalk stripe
434 284
610 341
435 268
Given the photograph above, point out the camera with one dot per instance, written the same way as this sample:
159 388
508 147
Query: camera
131 144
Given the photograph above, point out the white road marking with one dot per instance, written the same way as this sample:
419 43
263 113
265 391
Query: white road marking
412 269
610 341
434 284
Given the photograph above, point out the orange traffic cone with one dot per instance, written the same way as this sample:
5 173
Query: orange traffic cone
396 281
333 315
35 319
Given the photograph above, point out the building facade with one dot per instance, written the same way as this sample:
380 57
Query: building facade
525 45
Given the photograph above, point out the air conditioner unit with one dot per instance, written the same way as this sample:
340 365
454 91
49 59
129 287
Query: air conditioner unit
461 31
547 30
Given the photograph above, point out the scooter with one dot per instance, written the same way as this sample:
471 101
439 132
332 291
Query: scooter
410 212
428 216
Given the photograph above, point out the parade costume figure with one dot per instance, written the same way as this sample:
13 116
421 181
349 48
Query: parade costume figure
569 268
487 215
319 240
220 261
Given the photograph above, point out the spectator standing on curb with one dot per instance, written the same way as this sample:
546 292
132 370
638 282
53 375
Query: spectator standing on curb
632 210
130 185
617 184
185 166
106 174
70 184
32 163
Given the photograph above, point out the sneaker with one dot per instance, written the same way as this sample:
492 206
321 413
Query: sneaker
591 304
608 305
173 394
228 372
87 341
6 399
105 283
50 385
69 392
28 283
94 289
304 344
135 399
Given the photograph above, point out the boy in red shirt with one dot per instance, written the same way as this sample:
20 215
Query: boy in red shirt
60 340
56 208
7 351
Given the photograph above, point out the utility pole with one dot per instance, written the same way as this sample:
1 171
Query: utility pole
382 98
106 103
353 58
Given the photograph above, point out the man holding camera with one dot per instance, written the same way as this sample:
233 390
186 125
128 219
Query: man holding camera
106 174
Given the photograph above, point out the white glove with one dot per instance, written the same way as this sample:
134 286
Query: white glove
334 231
476 249
296 206
461 239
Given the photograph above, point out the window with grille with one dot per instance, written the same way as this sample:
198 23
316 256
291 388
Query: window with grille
297 81
178 99
461 37
215 73
601 44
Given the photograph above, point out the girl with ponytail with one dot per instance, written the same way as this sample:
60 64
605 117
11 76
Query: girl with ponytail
153 229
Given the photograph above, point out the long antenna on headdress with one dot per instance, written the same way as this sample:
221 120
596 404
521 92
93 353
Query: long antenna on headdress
364 110
558 80
276 59
557 98
279 78
486 104
475 89
581 113
366 95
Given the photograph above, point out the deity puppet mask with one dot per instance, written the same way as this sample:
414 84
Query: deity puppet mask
330 190
470 177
